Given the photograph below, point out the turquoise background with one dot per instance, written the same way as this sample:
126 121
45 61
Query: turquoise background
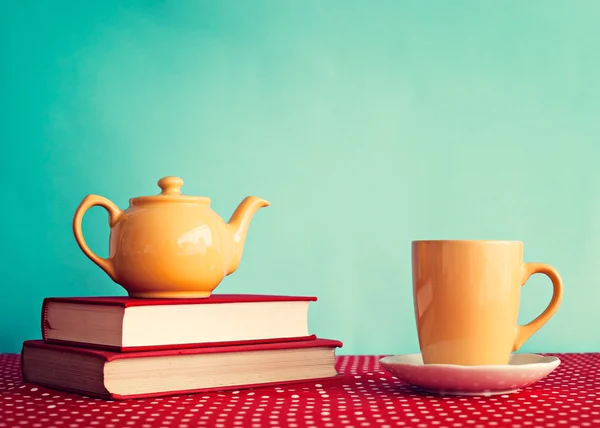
365 124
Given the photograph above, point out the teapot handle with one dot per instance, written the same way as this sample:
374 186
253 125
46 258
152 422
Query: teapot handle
113 215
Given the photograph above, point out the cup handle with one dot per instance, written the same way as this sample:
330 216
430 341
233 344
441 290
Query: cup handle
113 215
524 332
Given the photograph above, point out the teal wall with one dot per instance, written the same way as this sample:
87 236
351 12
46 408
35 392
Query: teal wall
365 124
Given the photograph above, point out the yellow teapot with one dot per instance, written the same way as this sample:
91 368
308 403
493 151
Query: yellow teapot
169 245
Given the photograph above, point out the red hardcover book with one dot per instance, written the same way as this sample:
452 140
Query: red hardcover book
127 324
120 375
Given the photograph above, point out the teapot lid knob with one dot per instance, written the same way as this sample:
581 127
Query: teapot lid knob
170 185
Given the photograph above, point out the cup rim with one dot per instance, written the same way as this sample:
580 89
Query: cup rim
466 241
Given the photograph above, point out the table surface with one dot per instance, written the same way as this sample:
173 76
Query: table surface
365 396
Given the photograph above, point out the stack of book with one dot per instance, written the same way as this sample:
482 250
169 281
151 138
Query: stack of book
122 347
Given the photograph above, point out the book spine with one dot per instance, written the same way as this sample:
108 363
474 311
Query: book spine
44 319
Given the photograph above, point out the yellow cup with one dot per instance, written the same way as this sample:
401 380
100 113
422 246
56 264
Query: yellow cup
466 298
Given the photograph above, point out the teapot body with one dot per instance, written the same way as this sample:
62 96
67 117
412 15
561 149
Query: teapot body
169 250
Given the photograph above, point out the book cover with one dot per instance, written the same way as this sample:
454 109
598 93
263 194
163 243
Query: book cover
278 318
63 367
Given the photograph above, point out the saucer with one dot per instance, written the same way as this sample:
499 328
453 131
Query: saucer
446 379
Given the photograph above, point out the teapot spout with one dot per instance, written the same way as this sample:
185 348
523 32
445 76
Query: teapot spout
238 227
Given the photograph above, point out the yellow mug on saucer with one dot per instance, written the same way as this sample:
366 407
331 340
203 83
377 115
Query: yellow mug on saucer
466 299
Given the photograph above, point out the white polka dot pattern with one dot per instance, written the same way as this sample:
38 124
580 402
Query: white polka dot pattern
366 396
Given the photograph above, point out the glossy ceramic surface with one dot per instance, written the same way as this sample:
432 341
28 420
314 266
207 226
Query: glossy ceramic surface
466 299
521 371
169 245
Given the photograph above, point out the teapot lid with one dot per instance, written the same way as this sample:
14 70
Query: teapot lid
171 192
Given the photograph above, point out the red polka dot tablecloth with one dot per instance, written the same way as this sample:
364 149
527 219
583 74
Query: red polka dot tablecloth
365 396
